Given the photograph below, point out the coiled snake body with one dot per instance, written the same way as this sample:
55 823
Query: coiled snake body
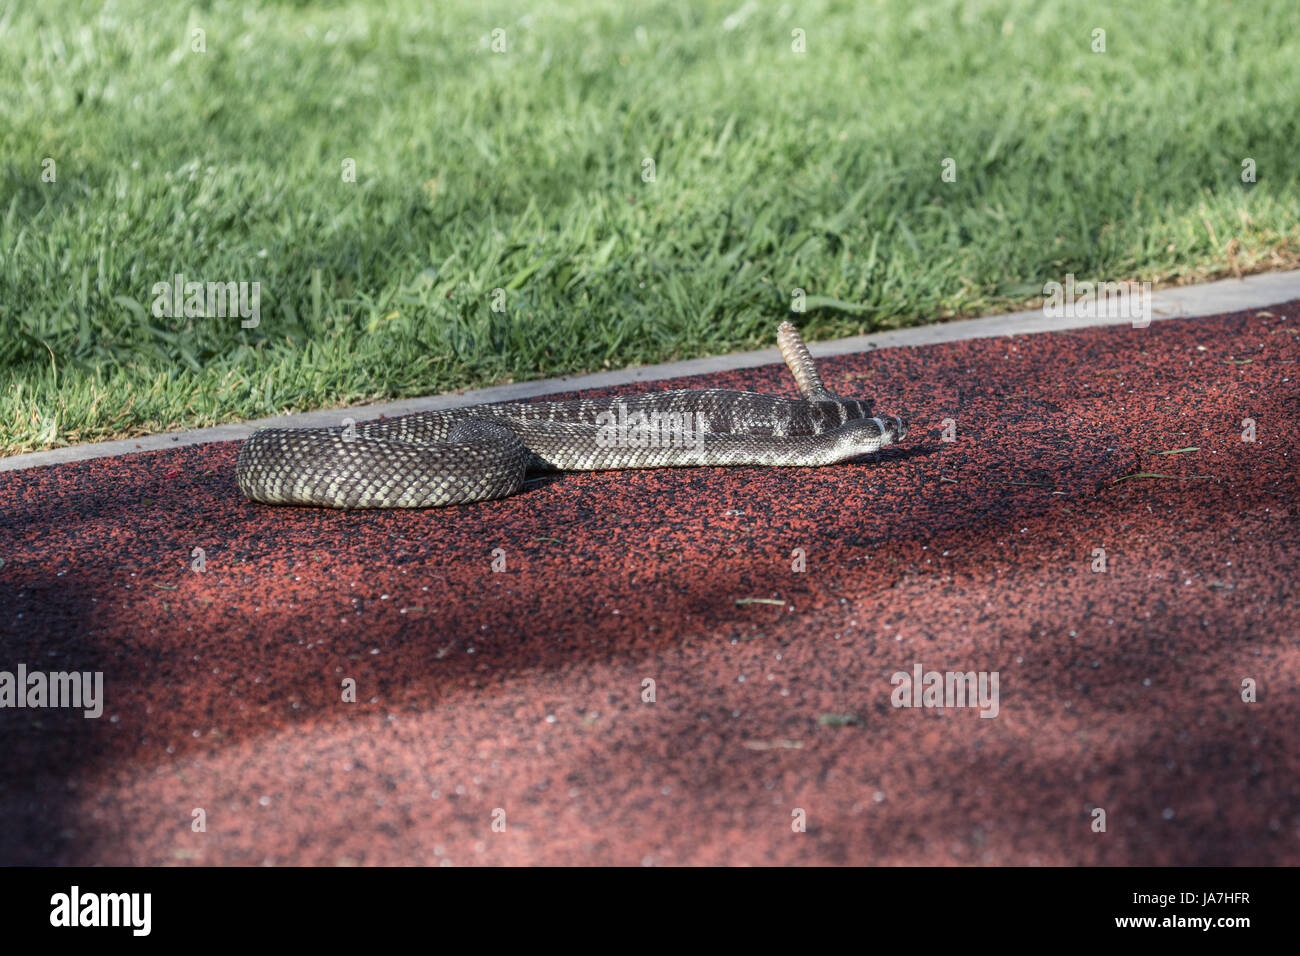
485 451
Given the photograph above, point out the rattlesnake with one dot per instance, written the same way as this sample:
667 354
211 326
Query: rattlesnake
482 452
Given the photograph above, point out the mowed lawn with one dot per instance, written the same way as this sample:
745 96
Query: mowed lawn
440 195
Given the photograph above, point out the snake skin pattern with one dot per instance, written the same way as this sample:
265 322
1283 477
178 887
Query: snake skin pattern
483 452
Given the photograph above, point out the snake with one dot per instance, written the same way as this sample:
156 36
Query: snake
488 451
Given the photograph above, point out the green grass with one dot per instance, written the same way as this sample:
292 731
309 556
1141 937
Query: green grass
522 171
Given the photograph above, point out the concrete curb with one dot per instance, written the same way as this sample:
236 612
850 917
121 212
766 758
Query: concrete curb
1228 295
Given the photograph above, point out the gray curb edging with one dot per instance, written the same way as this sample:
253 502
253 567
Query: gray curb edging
1228 295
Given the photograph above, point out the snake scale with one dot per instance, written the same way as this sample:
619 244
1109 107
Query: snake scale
482 452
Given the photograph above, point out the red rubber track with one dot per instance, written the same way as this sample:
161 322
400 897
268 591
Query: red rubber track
521 690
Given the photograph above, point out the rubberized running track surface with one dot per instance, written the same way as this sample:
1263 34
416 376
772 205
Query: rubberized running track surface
770 609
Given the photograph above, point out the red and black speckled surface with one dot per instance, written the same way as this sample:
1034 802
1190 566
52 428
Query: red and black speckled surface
522 690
